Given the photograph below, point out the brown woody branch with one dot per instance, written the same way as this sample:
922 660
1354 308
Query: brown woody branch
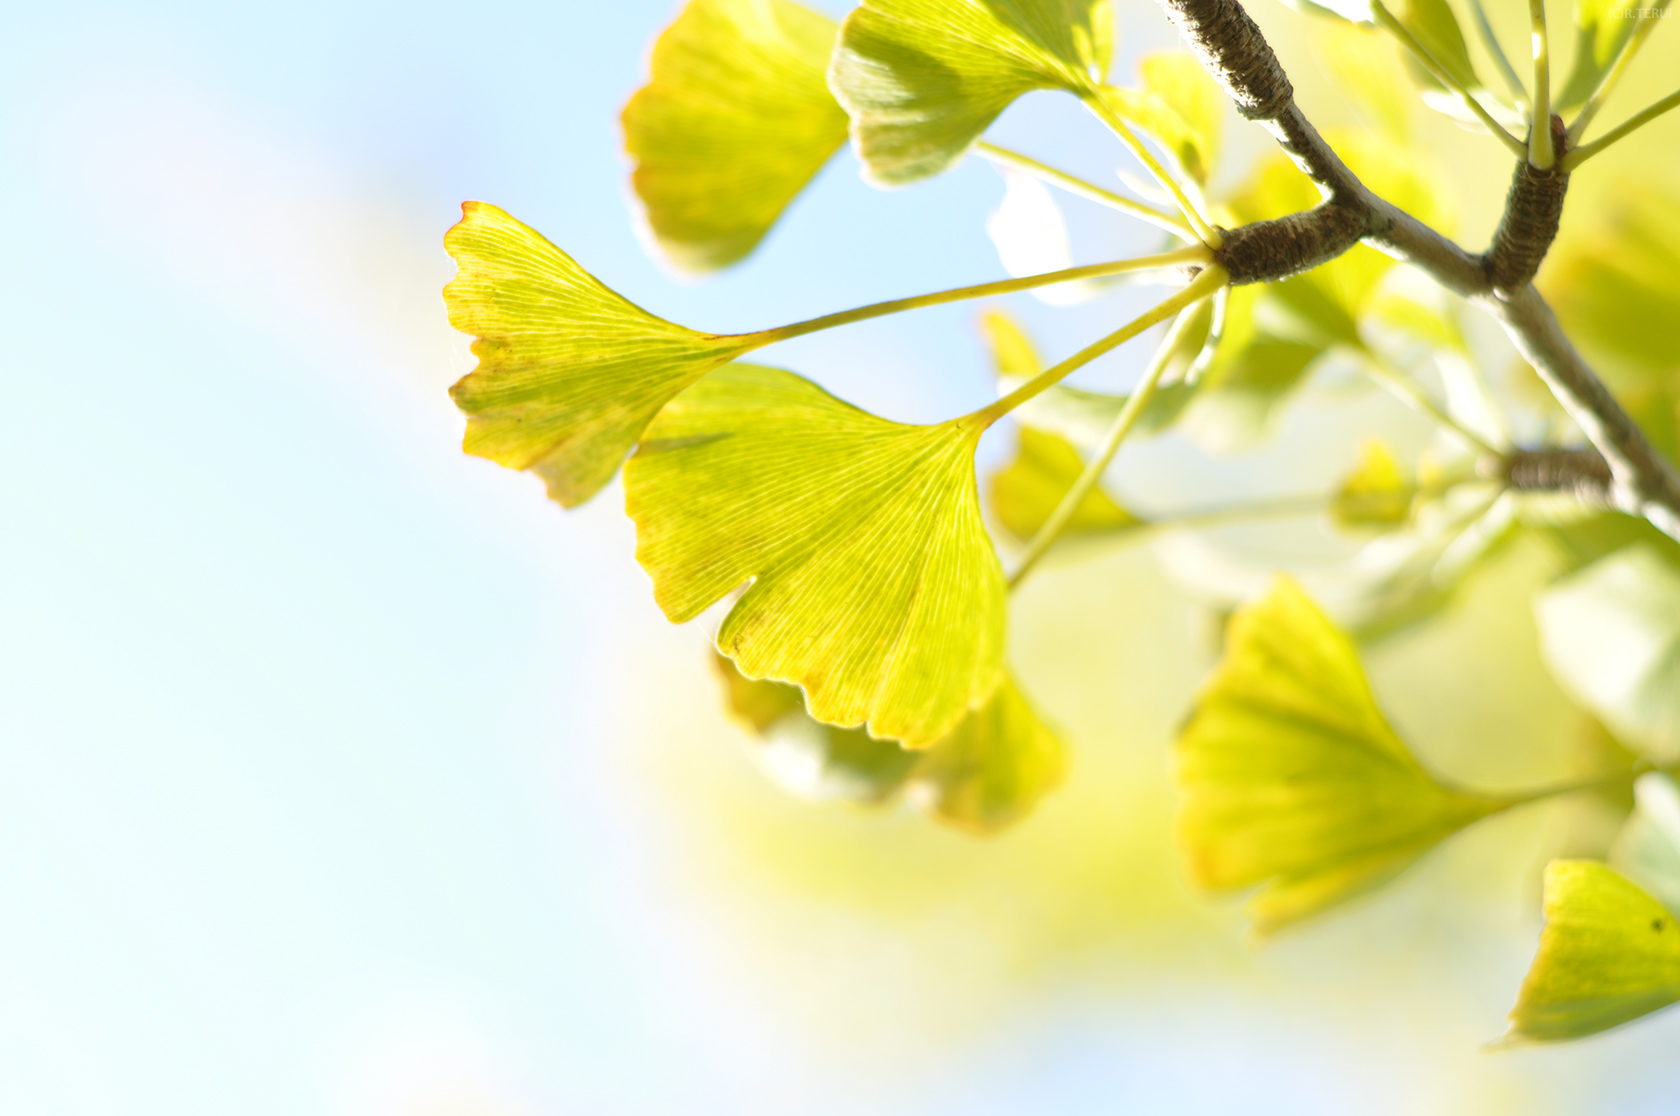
1634 478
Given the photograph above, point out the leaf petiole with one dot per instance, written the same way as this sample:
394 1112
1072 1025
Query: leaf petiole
1385 19
1101 103
1211 279
1581 154
1491 42
1195 255
1607 84
1408 392
1083 189
1093 471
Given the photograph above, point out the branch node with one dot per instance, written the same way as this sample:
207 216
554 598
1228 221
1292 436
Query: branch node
1268 250
1533 209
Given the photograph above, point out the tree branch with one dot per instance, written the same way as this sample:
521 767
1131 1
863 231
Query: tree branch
1231 47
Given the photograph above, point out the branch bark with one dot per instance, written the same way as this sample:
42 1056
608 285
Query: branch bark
1637 479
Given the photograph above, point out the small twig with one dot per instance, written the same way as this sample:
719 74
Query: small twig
1229 44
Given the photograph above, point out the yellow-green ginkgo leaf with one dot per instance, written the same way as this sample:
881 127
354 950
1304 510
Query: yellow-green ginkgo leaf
736 119
813 760
993 768
873 584
1291 776
1602 31
982 776
1609 954
1180 105
1436 29
569 372
1376 493
922 79
1026 491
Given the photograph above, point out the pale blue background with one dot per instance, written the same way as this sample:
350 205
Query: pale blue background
307 792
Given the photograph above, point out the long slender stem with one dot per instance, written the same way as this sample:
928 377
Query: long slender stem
1094 468
1211 279
1195 255
1582 154
1607 84
1080 188
1497 53
1402 386
1593 782
1385 19
1540 151
1102 104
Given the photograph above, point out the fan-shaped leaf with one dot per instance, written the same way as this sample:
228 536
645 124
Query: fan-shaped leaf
1611 634
993 768
1602 31
922 79
1609 954
569 373
1376 494
874 586
1027 490
813 760
1292 777
984 775
736 119
1436 29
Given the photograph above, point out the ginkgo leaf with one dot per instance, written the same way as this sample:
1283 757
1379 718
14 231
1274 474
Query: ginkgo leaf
1026 491
736 119
815 761
1031 238
1436 29
569 372
1647 850
1602 31
1376 493
1180 105
873 583
922 79
993 768
1291 775
1611 635
982 776
1609 954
